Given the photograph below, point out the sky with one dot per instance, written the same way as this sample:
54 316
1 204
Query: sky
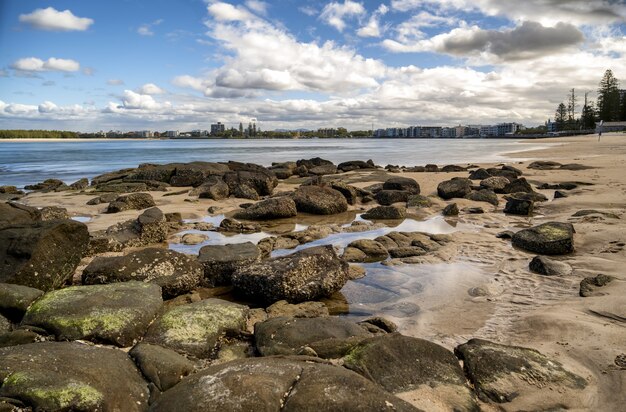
182 65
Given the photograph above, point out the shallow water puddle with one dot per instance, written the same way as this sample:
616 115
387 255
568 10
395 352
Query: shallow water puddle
81 219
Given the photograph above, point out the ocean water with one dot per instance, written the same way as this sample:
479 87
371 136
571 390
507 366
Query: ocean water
28 162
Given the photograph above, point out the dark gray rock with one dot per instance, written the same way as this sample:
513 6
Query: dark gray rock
515 206
176 273
42 255
15 299
544 165
104 198
402 183
495 183
385 213
118 313
213 188
133 201
452 168
52 376
161 366
302 276
431 168
354 165
351 193
484 195
262 180
245 192
457 187
319 200
575 166
273 208
219 262
401 364
479 174
311 163
323 170
418 201
507 234
548 267
553 238
501 373
532 196
389 197
559 194
197 328
589 285
273 384
196 173
15 213
451 210
518 185
287 336
373 250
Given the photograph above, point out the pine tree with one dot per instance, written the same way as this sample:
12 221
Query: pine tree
608 98
571 106
560 116
587 118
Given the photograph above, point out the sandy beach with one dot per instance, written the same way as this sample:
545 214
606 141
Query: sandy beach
509 304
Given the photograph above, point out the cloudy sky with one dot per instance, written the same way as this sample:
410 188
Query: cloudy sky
159 64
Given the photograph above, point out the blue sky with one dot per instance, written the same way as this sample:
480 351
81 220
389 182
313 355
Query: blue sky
131 64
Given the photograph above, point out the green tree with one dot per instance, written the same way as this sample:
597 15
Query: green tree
608 98
588 115
560 116
571 106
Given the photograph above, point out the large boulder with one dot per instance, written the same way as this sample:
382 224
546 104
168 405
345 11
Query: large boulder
483 195
42 255
133 201
48 185
416 370
517 186
319 200
457 187
16 213
118 313
516 206
389 197
549 267
385 213
323 170
302 276
213 188
351 193
163 367
196 328
355 165
495 183
219 262
402 183
288 336
553 238
314 162
70 376
196 173
15 299
479 174
502 373
275 384
175 272
261 179
272 208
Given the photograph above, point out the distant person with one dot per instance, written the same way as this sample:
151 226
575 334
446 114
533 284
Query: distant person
599 134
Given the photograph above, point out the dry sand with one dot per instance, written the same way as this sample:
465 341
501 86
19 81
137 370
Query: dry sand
517 307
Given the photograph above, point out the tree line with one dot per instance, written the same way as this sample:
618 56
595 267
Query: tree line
610 106
37 134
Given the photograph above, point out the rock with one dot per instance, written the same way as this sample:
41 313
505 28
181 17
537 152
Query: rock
495 183
418 201
196 328
104 198
385 213
508 174
273 384
402 183
518 185
282 308
589 285
401 309
457 187
245 192
349 192
16 213
452 168
532 196
194 173
18 337
51 376
15 299
484 195
176 273
587 212
153 226
507 234
273 208
474 210
107 177
311 163
213 188
133 201
48 185
219 262
351 254
373 250
544 165
559 194
54 213
323 170
354 165
416 370
118 313
479 174
515 206
356 272
80 184
319 200
431 168
163 367
302 276
501 373
548 267
451 210
5 325
193 238
380 324
233 226
287 336
389 197
259 178
553 238
407 251
42 255
11 190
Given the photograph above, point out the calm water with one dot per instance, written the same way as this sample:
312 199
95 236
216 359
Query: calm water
24 163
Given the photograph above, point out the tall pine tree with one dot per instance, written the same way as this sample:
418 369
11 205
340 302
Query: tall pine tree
560 116
608 98
588 116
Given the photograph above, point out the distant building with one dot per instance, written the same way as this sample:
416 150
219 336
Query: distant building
172 133
144 133
552 127
217 128
612 126
329 132
199 133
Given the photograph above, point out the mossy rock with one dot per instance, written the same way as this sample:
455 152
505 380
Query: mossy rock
196 328
118 313
15 299
552 238
63 376
161 366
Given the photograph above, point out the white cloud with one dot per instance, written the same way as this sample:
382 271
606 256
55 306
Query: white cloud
146 29
34 64
52 19
257 6
372 28
115 82
335 14
150 88
227 12
308 10
138 101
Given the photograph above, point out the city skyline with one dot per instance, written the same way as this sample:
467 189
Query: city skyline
136 65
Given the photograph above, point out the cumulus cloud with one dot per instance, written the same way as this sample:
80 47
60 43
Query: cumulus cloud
335 14
52 19
257 6
34 64
372 28
528 40
146 29
227 12
150 88
138 101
